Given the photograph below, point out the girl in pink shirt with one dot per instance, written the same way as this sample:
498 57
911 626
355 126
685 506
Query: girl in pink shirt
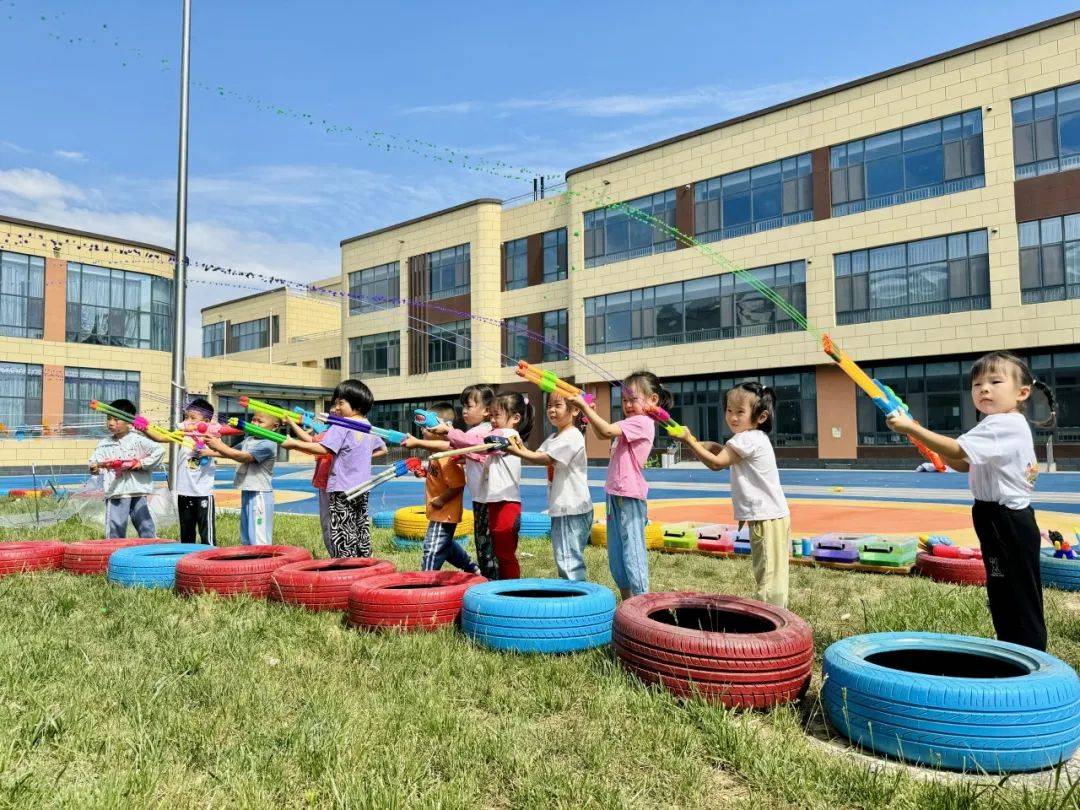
626 487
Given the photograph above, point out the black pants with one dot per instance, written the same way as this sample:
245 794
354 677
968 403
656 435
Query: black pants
485 545
350 526
196 515
1010 540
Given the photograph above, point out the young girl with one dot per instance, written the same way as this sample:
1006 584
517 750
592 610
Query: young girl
512 417
569 502
626 487
756 496
350 528
319 479
999 456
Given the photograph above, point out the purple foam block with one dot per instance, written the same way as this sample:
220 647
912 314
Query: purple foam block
831 548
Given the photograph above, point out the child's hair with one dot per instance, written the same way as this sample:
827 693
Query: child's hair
649 384
577 418
125 405
515 403
764 402
445 411
481 392
356 394
202 406
998 361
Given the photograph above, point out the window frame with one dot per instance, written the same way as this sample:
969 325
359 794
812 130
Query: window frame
125 384
1039 256
151 316
457 261
375 288
26 293
445 354
364 347
601 225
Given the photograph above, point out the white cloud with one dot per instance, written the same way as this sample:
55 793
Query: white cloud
37 186
74 157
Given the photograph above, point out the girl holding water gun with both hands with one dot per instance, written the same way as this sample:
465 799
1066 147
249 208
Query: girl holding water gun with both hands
999 456
626 488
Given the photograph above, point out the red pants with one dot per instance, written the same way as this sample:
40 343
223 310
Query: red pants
504 521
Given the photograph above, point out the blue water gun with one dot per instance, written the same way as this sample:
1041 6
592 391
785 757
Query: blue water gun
426 419
308 420
391 436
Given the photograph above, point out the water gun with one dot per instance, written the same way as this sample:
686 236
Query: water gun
215 429
426 419
547 382
259 406
258 431
672 427
491 444
142 424
884 397
391 436
308 420
404 467
119 464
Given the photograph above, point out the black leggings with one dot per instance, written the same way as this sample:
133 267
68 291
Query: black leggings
196 516
1010 541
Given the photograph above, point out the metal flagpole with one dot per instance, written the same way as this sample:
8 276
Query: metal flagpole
179 384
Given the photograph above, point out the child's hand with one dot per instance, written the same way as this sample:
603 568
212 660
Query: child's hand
136 464
686 436
214 443
576 402
900 423
440 429
410 441
94 468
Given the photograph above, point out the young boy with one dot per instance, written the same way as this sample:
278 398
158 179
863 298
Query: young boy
126 490
254 478
444 488
194 484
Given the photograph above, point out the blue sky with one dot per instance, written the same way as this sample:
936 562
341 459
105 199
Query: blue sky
88 128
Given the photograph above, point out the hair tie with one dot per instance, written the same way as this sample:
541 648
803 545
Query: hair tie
526 398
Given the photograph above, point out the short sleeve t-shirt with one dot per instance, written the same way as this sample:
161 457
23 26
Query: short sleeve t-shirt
474 462
444 474
1001 452
352 457
755 481
322 466
194 480
501 480
257 476
629 452
568 493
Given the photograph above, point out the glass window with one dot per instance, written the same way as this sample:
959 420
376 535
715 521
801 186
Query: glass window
84 384
556 336
710 308
448 272
20 396
1061 371
515 339
332 363
768 196
118 308
374 288
1050 259
909 280
375 355
22 295
554 255
449 346
516 264
628 230
914 163
1046 131
213 339
249 335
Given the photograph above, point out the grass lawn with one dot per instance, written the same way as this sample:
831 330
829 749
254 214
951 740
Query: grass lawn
118 697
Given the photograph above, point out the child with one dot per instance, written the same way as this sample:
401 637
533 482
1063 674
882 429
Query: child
511 417
626 487
350 527
319 479
444 487
254 478
194 484
999 456
126 490
569 502
756 496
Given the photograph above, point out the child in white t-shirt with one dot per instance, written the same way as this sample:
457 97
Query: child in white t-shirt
756 496
569 503
999 456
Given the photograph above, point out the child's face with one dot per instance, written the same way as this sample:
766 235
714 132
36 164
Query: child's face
341 407
502 418
999 391
558 412
117 427
634 401
473 412
739 413
195 416
266 420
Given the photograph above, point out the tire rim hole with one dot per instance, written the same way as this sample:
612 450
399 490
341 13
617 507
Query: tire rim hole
543 594
342 566
948 664
713 620
248 556
411 586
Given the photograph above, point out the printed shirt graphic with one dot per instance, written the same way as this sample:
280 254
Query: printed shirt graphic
193 479
1001 452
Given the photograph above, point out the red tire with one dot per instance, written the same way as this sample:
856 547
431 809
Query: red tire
738 652
412 600
952 570
235 570
324 584
16 558
92 556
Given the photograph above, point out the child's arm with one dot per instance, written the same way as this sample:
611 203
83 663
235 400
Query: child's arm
600 426
223 450
949 449
516 448
301 434
154 456
380 448
434 445
311 448
441 500
713 460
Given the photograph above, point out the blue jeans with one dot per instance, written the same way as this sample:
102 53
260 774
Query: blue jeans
569 536
440 547
117 512
627 559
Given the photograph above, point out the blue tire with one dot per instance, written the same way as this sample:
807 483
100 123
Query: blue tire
538 615
1059 573
406 543
535 524
955 702
383 520
149 566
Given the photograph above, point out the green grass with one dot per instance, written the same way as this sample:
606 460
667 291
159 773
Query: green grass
118 697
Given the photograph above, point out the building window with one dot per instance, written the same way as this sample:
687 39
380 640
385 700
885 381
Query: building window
928 277
556 336
1046 132
118 308
375 355
711 308
914 163
448 272
516 264
938 394
84 384
213 339
515 339
374 288
249 335
20 395
449 346
332 363
698 403
22 295
553 244
758 199
1050 259
612 234
1061 371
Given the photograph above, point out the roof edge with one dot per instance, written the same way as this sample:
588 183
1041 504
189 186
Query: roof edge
839 88
432 215
89 234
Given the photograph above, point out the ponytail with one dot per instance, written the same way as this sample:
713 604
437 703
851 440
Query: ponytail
516 403
1051 403
995 361
650 384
